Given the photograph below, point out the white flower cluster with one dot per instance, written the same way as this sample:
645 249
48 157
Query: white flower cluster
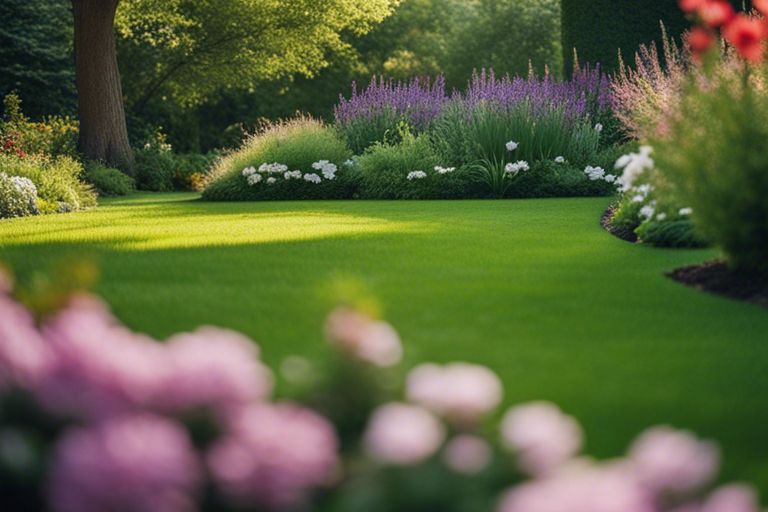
444 170
416 175
327 169
512 145
313 178
598 128
273 168
634 165
598 173
514 168
560 160
18 196
292 175
349 163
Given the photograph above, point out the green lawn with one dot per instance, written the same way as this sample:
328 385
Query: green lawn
533 288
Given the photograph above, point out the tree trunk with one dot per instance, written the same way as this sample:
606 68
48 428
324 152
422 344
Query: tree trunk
103 131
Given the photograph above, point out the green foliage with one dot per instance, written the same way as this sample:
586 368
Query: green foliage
159 169
713 159
361 133
599 29
35 55
108 181
54 136
677 233
462 136
58 181
297 143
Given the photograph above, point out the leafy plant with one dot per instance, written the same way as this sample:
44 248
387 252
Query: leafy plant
109 181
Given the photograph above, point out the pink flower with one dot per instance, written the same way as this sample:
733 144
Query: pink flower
100 368
541 435
467 454
402 434
460 392
371 341
591 489
746 34
136 463
732 498
211 368
668 460
24 355
274 455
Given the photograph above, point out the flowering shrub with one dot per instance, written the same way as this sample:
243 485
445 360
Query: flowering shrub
54 136
113 420
18 196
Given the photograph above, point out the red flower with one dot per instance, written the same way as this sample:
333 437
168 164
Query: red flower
761 5
716 13
746 35
700 40
691 6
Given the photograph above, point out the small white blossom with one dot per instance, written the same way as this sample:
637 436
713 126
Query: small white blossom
248 171
253 179
685 211
560 160
271 180
292 175
610 178
634 164
662 216
639 198
512 145
594 173
416 175
516 167
647 211
444 170
273 168
598 127
312 178
349 163
326 168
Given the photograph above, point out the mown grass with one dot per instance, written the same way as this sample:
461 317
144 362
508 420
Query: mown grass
533 288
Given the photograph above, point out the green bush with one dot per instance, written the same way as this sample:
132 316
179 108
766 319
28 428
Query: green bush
109 181
713 159
384 171
54 136
547 178
58 181
18 197
297 144
678 233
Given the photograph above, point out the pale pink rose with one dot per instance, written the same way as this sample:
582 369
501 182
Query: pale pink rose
542 436
668 460
211 368
368 340
460 392
136 463
24 356
402 434
274 455
732 498
467 454
100 368
593 489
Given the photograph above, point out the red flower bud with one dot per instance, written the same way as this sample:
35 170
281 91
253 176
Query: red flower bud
746 35
716 13
700 41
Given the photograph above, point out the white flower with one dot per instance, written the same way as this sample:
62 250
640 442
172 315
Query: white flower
610 178
598 127
292 175
271 180
560 160
684 212
273 168
516 167
349 163
444 170
594 173
541 435
639 198
248 171
634 164
402 434
512 145
326 168
662 216
461 392
647 211
253 179
416 175
312 178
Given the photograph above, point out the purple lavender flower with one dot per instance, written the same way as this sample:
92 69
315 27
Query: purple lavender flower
274 455
137 463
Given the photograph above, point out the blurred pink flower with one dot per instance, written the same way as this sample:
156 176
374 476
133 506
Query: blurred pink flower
541 435
402 434
24 355
274 455
366 339
136 463
100 368
732 498
582 489
668 460
461 392
211 368
467 454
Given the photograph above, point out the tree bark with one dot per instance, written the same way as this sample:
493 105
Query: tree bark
103 130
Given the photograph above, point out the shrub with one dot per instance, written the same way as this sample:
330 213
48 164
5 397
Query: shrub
18 197
109 181
407 170
297 144
54 136
713 159
58 181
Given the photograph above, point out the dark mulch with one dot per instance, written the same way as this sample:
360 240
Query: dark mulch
715 277
628 235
